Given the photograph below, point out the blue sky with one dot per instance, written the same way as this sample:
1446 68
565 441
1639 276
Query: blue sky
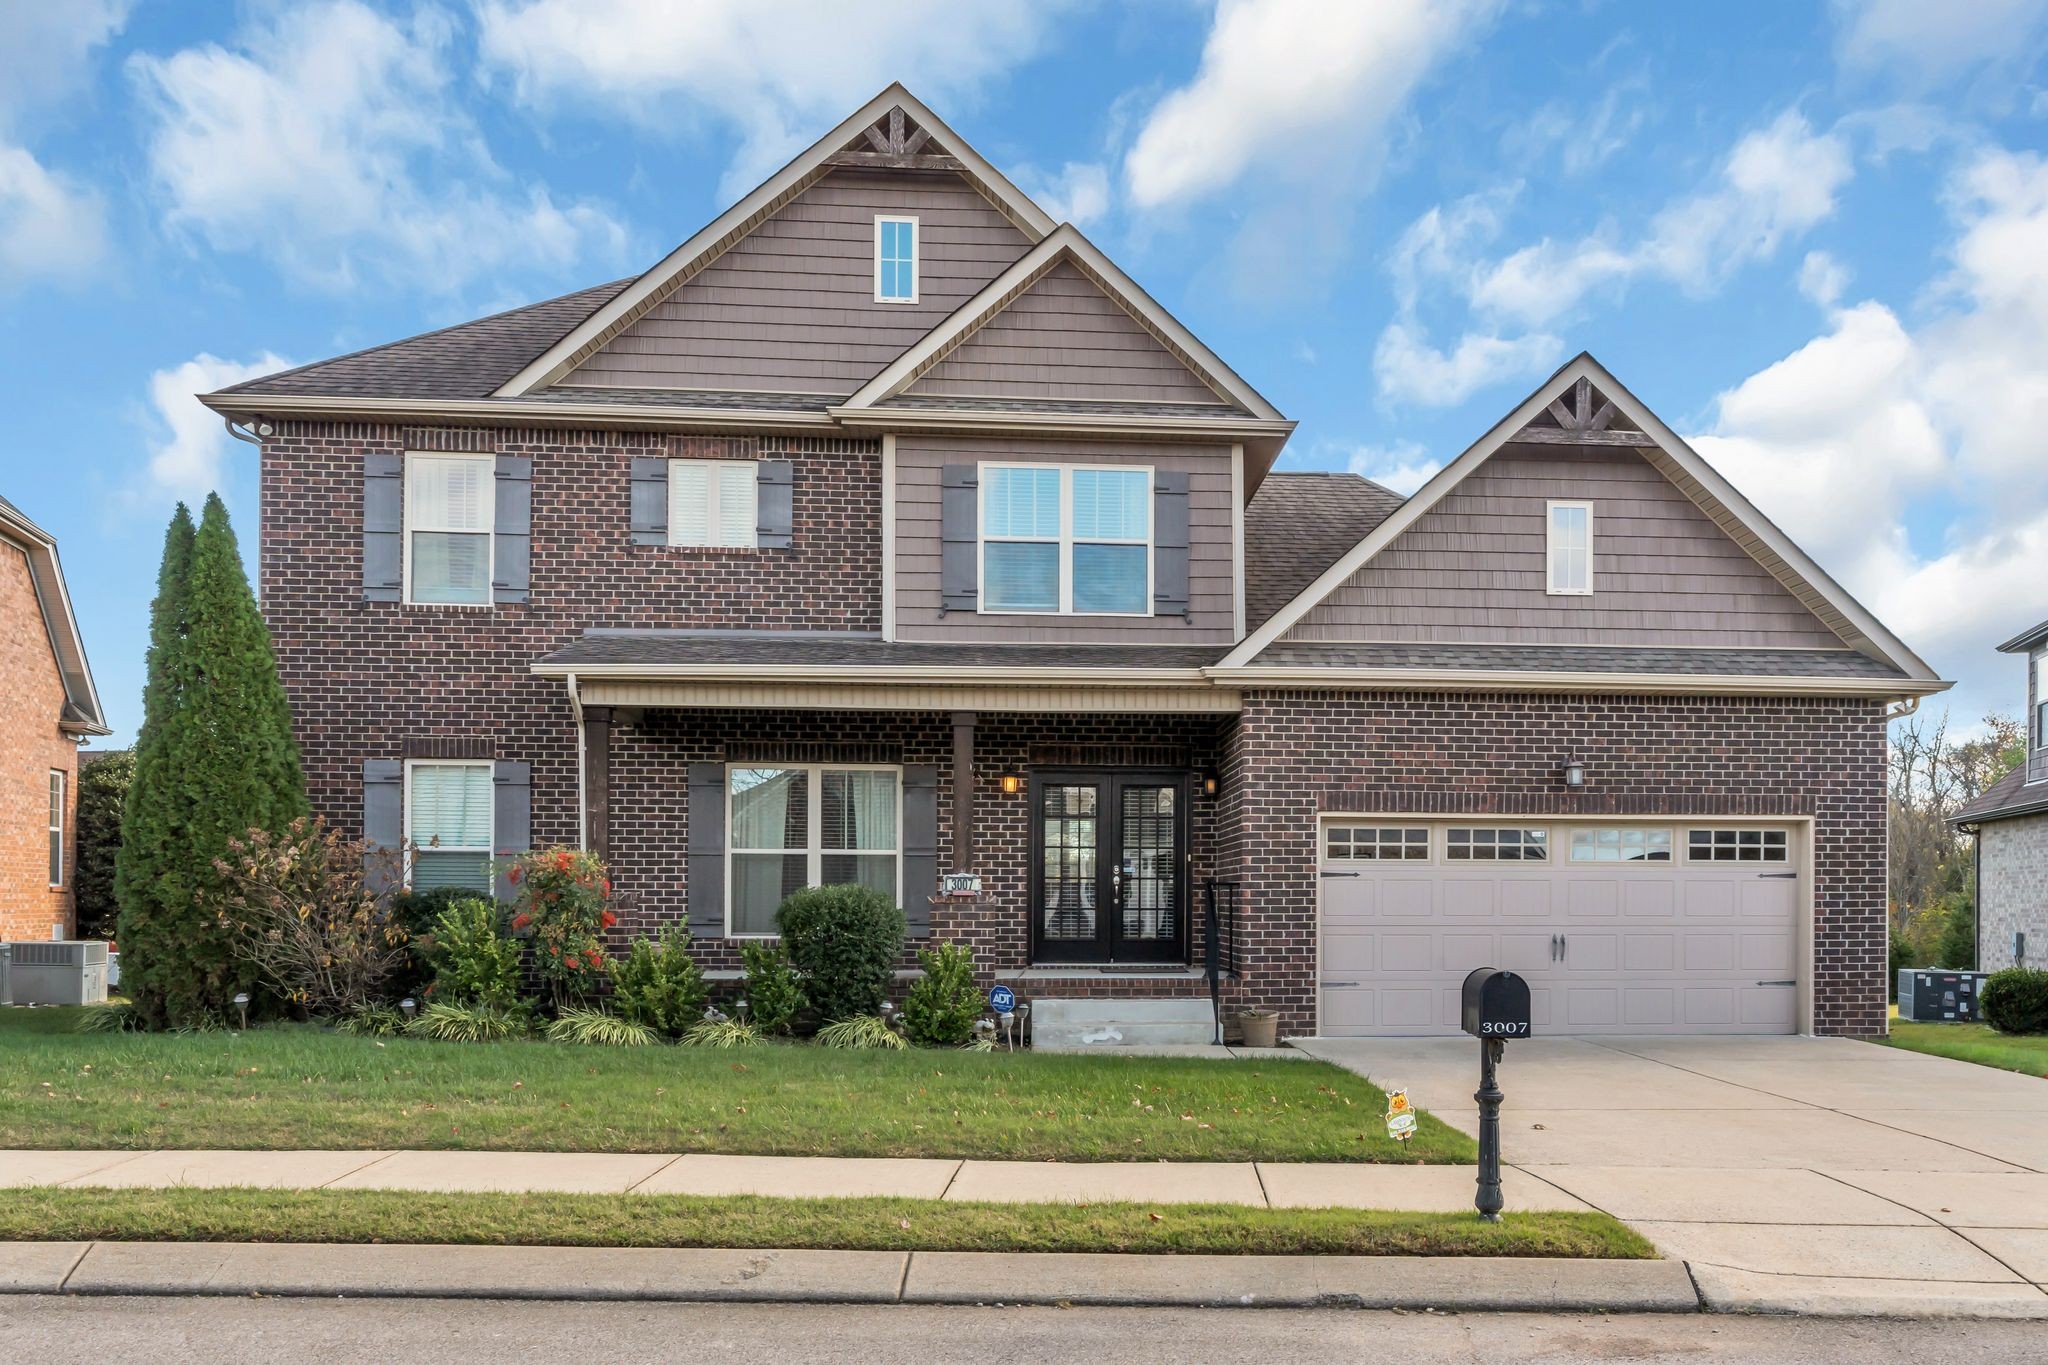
1814 237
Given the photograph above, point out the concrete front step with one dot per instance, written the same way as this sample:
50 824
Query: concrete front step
1109 1024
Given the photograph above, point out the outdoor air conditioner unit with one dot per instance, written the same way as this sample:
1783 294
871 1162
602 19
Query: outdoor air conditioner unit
67 973
1939 997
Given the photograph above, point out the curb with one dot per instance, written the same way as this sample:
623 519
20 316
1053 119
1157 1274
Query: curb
571 1274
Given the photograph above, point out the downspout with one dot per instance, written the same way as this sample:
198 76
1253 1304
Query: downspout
1899 710
582 797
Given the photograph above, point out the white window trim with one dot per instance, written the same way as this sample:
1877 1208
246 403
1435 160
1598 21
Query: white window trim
1066 539
814 850
412 765
1550 587
916 257
60 788
406 527
753 541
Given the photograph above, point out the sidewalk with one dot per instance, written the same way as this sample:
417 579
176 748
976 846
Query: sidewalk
1277 1185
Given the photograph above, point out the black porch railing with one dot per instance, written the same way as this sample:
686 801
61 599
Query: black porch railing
1219 942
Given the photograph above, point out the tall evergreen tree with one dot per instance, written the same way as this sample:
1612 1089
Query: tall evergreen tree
103 780
221 761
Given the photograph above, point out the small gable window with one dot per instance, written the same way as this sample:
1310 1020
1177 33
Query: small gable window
895 260
713 502
1570 545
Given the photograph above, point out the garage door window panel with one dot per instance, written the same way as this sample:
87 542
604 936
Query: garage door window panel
1378 843
1489 844
1621 844
1737 846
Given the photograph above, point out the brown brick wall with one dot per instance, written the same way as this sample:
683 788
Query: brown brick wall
1297 753
31 745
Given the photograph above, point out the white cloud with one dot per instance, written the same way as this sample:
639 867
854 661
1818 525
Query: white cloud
51 228
1822 278
778 71
1404 466
185 461
1079 194
328 140
1927 43
1292 90
1410 370
1583 140
45 48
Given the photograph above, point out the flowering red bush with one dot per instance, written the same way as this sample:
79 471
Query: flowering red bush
563 898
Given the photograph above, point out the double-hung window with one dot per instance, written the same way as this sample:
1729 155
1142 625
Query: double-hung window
449 506
814 826
895 260
713 502
57 813
1570 545
1066 539
448 824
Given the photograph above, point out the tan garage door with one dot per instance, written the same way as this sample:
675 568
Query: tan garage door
1619 928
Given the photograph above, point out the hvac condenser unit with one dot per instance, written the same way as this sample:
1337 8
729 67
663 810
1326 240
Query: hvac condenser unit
68 973
1938 997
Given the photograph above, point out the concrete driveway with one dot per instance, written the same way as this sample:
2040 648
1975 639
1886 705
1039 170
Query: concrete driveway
1794 1174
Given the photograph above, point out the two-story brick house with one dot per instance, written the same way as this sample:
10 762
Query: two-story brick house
47 706
886 529
2010 825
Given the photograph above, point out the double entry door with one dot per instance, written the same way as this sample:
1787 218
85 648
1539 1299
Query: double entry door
1109 865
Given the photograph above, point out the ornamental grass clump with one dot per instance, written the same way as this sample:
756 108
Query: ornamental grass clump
448 1022
862 1031
598 1028
719 1031
563 906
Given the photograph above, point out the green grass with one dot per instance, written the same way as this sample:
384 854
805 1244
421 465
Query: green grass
1979 1043
299 1087
636 1220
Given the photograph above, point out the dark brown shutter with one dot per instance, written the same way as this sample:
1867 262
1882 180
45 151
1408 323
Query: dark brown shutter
959 539
383 823
1169 543
650 501
383 525
774 510
512 529
920 845
511 819
706 858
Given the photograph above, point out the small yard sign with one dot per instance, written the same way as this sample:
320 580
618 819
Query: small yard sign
1400 1116
1001 999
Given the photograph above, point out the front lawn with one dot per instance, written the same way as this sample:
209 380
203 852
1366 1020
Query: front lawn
1979 1043
660 1220
299 1087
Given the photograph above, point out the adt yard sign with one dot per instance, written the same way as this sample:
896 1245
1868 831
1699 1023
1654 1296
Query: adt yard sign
1001 999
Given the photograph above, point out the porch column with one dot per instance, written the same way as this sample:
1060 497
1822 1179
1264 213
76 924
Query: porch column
963 791
597 780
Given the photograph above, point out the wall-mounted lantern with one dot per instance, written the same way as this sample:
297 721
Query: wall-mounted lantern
1011 783
1207 780
1574 773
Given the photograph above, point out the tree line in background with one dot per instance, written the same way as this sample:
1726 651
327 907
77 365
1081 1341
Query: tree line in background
1933 882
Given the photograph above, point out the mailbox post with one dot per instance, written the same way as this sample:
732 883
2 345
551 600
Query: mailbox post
1496 1008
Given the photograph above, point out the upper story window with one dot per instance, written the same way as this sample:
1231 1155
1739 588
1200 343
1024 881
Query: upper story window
895 260
57 786
449 502
1066 539
798 827
713 502
448 811
1570 545
2041 701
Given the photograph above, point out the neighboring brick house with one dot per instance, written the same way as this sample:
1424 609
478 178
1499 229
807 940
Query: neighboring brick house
47 706
2010 822
885 529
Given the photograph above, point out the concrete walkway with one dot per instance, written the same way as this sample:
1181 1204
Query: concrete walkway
1791 1174
1265 1184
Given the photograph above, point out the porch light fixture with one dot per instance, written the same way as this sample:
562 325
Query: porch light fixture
1209 781
1574 773
1011 783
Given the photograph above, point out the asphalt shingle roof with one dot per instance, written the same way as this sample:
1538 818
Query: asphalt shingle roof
2007 797
796 648
1298 525
1759 663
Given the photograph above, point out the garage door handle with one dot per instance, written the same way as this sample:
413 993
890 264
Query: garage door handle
1793 982
1340 983
1340 874
1786 876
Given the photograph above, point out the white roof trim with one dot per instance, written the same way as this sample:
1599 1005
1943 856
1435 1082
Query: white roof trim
653 285
1533 680
1065 243
1888 647
842 674
60 622
440 411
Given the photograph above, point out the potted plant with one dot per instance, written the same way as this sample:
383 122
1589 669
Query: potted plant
1261 1027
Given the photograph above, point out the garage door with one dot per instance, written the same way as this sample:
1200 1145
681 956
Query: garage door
1619 928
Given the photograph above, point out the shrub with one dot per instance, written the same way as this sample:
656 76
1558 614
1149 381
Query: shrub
774 995
862 1031
658 985
2016 1000
563 905
722 1032
295 908
373 1021
447 1022
109 1019
945 1004
475 962
597 1028
102 788
843 941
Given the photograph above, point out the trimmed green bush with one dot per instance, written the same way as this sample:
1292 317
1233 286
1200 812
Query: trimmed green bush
658 985
943 1006
774 996
2016 1000
843 941
475 961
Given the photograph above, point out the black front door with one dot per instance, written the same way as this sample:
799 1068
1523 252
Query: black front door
1109 866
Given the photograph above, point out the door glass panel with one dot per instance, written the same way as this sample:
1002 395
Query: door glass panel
1150 865
1068 912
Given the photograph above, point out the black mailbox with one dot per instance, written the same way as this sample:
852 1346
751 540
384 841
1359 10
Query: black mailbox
1496 1004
